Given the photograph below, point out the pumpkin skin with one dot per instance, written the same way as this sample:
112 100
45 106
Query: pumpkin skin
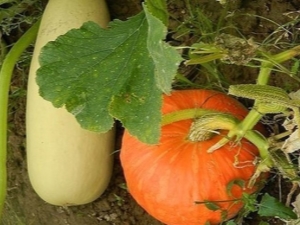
168 179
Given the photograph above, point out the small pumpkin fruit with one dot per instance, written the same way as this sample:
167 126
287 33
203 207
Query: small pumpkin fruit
174 179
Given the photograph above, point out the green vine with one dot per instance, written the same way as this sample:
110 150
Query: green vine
5 78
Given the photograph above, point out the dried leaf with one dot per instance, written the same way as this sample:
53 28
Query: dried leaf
296 205
292 144
289 124
295 95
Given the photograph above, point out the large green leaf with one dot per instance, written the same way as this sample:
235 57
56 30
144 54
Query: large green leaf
166 59
158 8
101 74
270 206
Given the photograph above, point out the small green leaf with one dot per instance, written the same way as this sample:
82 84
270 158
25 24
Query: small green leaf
231 222
270 206
250 202
212 205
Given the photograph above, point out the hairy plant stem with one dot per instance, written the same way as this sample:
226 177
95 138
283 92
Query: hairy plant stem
5 78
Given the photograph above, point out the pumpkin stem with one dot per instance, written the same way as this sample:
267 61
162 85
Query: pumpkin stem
207 122
184 114
206 126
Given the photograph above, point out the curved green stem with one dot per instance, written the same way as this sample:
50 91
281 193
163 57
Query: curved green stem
274 60
262 144
184 114
5 78
286 55
240 130
264 73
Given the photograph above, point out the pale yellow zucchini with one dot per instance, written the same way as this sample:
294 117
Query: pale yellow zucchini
67 165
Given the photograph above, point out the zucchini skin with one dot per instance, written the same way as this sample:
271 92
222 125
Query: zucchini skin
67 165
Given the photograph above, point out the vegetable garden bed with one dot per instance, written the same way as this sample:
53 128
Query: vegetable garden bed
270 26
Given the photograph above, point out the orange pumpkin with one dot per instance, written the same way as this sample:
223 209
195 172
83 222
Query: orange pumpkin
173 179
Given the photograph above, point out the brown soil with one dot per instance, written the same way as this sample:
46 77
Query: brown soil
116 206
